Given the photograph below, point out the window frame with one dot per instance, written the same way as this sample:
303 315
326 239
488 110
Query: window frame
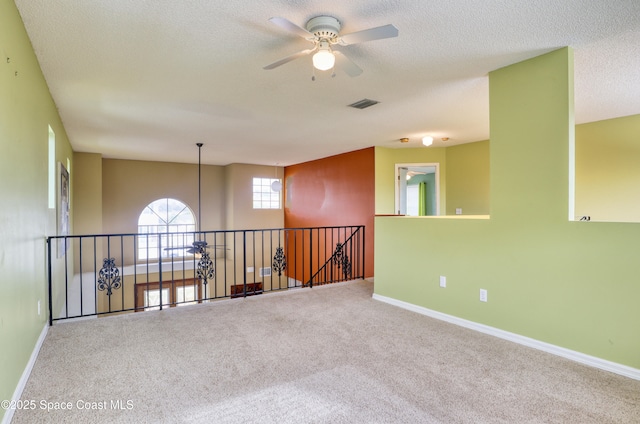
171 287
262 194
152 238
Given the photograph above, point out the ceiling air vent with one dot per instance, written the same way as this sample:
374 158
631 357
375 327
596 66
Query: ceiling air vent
364 103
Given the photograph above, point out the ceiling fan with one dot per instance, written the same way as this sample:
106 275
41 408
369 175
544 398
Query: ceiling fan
324 33
414 173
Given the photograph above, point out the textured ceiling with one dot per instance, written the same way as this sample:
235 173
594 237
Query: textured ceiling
147 79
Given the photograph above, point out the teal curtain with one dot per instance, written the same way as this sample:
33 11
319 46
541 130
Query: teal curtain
422 199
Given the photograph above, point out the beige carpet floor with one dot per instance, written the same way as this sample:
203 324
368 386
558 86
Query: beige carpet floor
329 354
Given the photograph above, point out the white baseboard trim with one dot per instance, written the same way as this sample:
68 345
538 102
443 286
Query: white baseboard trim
22 383
573 355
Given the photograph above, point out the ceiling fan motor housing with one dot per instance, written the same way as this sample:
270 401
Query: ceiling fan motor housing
324 27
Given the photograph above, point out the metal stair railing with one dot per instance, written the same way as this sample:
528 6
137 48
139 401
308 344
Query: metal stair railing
95 275
341 266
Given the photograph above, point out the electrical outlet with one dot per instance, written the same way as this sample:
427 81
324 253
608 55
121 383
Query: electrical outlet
249 269
443 281
483 295
458 211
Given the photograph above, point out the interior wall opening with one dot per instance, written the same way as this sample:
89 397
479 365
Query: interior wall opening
417 189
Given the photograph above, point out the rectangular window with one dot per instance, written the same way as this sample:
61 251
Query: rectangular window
152 299
264 195
174 293
186 295
52 169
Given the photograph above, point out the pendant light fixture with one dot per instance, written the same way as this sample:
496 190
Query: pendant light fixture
277 184
199 180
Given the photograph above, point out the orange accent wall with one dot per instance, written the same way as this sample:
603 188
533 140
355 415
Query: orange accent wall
337 190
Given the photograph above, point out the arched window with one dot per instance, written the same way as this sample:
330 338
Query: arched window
165 229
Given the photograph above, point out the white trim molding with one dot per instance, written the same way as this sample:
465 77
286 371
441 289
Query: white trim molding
572 355
22 383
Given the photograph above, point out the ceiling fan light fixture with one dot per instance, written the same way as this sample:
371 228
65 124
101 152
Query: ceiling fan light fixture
427 141
324 59
324 31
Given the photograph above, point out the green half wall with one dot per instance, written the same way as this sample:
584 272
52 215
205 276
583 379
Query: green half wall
567 283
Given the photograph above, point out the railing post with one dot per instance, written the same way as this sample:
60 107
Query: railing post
159 267
108 256
50 281
363 252
311 257
80 272
95 272
244 263
66 276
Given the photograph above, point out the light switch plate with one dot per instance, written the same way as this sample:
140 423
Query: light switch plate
483 295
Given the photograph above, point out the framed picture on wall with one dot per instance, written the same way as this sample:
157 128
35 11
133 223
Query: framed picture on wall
63 209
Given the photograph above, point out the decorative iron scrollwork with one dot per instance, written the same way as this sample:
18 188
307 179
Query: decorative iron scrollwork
337 255
109 279
341 260
279 261
205 269
346 266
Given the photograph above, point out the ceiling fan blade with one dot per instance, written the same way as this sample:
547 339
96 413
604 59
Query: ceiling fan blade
288 59
195 245
193 250
377 33
291 27
346 64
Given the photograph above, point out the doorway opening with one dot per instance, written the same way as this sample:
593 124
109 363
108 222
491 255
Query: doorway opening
418 189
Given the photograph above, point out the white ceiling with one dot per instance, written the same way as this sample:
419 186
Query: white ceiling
147 79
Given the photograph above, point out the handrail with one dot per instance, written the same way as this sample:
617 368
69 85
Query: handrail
249 230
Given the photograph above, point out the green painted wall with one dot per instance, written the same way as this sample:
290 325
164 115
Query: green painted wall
26 111
571 284
468 178
608 170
